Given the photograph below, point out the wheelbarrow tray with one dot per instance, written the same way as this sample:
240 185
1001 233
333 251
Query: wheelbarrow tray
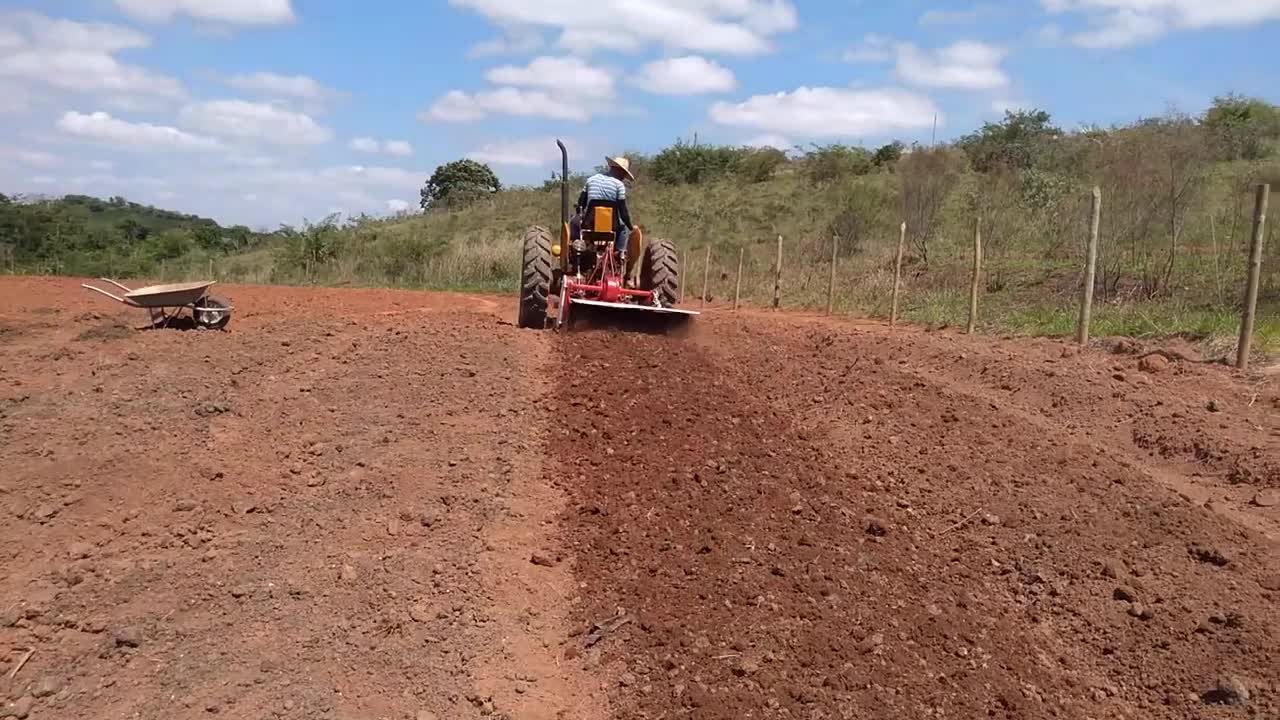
172 295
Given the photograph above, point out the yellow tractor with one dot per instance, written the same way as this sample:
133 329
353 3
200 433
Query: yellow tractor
559 279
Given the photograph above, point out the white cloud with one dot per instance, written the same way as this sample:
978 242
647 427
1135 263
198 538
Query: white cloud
254 121
514 42
234 12
829 112
719 26
31 158
398 206
688 75
88 72
78 58
568 77
1121 23
302 87
964 65
873 49
955 17
458 106
10 39
561 88
104 128
47 32
530 152
399 148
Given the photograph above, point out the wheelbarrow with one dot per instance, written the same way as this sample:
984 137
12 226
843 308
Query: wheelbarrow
207 312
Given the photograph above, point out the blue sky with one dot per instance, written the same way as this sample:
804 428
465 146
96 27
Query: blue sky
269 111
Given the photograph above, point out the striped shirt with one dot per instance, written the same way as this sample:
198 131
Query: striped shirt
605 187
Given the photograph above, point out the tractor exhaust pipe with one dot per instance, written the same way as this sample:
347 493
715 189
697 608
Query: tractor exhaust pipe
564 206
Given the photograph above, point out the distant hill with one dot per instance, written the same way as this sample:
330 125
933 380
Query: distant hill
110 213
84 235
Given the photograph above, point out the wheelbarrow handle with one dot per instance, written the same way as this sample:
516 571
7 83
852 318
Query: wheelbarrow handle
118 299
113 282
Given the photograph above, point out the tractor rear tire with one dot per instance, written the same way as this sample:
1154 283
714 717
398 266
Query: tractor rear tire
660 273
535 278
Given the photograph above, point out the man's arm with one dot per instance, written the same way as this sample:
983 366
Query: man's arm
623 215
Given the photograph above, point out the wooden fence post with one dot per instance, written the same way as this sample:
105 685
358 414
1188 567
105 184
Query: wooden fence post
706 275
897 274
1090 269
831 284
1255 274
977 275
737 288
777 278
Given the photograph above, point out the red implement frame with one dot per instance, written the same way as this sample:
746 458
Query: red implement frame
605 283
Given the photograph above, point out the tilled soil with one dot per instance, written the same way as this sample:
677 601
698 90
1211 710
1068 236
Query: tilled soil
374 504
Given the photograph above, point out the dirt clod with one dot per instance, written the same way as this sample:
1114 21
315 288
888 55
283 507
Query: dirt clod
130 636
1153 364
1267 498
1229 690
20 708
46 686
1114 569
877 527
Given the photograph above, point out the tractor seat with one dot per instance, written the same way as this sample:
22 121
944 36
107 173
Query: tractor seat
600 222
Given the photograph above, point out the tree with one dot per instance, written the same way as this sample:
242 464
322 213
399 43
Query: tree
459 183
928 175
759 164
576 181
827 163
888 155
690 164
1017 142
1243 126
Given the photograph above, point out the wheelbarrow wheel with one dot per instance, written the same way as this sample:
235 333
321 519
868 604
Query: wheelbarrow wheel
212 313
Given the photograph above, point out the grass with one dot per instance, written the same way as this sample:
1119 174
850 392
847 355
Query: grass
1032 270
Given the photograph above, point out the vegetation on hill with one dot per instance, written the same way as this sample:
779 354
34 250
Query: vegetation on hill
81 235
1177 205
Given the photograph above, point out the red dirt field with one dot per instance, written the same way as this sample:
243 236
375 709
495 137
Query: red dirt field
367 504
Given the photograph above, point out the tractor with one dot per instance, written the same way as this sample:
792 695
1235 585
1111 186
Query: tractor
584 277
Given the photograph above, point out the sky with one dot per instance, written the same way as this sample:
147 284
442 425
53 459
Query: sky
264 112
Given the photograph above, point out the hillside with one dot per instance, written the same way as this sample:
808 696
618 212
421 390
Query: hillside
1176 217
82 235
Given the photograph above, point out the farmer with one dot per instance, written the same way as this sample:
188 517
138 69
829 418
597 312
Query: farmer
608 188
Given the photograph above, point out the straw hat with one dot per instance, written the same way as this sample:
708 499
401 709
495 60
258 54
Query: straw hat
622 164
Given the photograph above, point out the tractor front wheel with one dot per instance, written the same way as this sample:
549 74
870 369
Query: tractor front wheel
535 278
660 273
